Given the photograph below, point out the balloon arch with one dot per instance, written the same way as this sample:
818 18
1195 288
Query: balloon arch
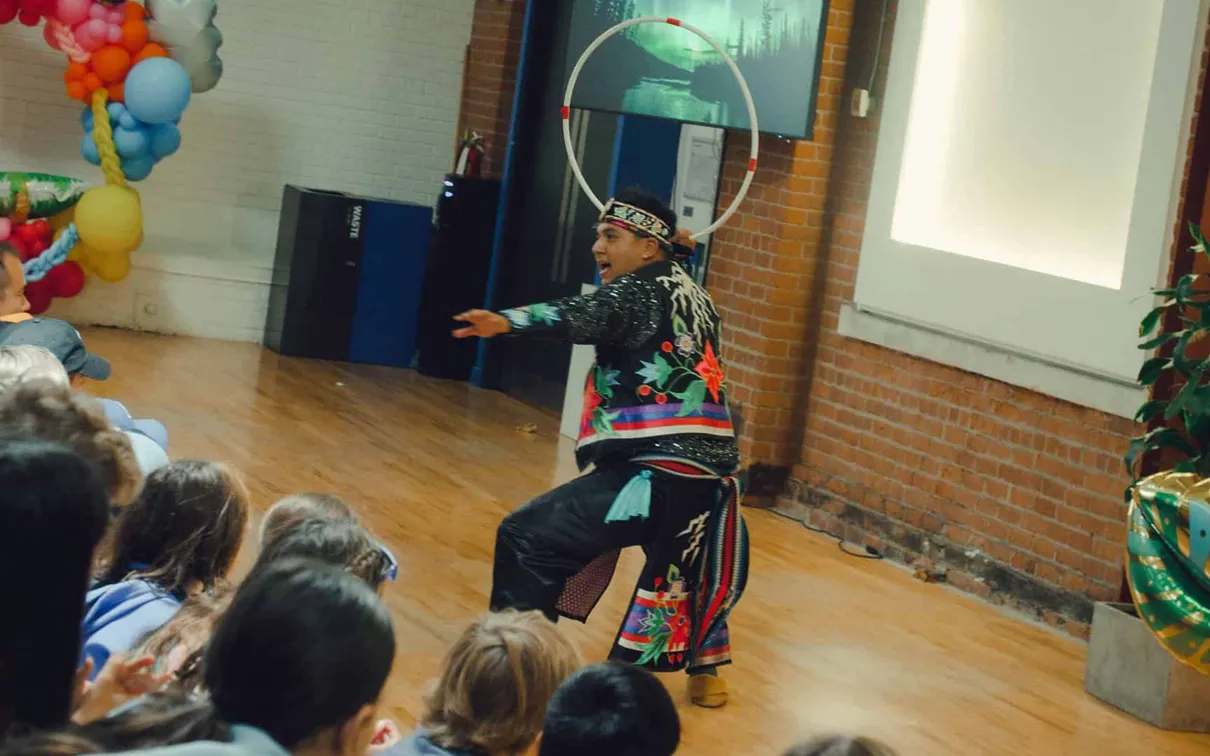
134 67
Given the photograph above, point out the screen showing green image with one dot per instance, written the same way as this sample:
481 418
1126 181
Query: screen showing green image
662 71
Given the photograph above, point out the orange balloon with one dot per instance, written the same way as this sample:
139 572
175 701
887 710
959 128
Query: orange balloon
77 91
111 63
134 36
117 92
75 72
92 82
151 50
134 12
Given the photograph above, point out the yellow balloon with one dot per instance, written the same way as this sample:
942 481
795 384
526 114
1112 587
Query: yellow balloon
110 220
84 254
111 268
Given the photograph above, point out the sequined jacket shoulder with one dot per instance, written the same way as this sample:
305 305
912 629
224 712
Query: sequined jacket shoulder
657 386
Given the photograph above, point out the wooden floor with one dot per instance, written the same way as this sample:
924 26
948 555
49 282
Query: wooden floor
823 642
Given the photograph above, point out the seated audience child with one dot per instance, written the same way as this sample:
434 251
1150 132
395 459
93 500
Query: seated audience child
180 536
494 687
61 339
54 514
840 746
14 306
609 709
55 413
337 543
292 510
28 364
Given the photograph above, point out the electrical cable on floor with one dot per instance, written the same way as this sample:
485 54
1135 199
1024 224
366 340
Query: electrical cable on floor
868 552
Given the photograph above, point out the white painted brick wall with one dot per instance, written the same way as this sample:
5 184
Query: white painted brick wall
353 95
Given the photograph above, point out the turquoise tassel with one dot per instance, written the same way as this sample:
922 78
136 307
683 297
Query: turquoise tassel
634 500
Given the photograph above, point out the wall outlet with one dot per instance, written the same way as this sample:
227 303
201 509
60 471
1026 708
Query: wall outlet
860 106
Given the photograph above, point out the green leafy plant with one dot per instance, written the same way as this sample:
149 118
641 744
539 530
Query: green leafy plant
1185 417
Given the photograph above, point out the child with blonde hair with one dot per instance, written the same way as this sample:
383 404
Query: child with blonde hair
495 684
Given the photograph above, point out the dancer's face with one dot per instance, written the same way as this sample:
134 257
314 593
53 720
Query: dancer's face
618 251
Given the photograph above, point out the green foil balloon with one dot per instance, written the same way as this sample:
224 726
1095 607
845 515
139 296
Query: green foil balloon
48 195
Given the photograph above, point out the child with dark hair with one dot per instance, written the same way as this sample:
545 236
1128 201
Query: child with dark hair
301 657
840 746
338 543
495 684
179 537
610 709
54 514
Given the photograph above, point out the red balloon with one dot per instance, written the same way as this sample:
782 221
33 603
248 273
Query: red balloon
66 279
26 233
41 228
39 296
8 10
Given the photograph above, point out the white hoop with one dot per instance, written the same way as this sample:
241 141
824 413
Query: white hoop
743 85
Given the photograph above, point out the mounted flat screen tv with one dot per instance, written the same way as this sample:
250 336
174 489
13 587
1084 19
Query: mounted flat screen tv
661 71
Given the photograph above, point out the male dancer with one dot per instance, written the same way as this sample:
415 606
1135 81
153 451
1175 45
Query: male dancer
656 429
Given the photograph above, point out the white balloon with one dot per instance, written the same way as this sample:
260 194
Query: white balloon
186 28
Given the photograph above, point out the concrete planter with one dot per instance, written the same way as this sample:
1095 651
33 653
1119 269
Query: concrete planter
1127 668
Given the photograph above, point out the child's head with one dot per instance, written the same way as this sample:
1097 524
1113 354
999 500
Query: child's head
840 746
609 709
26 364
338 543
183 531
302 653
496 682
12 282
61 339
292 510
53 515
55 413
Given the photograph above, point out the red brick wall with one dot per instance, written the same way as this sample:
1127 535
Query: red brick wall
1018 494
491 74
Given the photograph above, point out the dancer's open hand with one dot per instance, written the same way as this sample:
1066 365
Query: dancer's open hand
481 323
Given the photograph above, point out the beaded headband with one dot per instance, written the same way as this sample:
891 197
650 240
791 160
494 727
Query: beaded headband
636 220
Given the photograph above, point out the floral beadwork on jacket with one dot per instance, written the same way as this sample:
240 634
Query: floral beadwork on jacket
521 318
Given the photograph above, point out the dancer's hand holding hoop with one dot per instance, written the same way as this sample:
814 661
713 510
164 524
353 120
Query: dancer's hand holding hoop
481 323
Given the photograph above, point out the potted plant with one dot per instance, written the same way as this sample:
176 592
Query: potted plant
1145 658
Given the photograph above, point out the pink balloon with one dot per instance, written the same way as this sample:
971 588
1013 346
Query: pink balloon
72 12
115 35
92 34
116 17
96 10
6 228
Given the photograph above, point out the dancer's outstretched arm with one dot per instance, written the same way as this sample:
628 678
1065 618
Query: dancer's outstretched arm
625 312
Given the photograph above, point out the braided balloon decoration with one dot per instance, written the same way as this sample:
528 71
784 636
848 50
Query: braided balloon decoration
67 41
37 268
102 132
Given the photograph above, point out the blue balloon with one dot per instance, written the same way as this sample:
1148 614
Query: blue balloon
88 149
139 168
127 120
165 140
116 109
157 90
131 143
86 119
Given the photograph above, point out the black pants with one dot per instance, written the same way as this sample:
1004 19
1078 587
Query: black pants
547 542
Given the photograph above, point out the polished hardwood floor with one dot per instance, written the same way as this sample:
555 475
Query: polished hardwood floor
824 642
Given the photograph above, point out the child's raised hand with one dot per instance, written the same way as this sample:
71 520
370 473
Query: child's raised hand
120 681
